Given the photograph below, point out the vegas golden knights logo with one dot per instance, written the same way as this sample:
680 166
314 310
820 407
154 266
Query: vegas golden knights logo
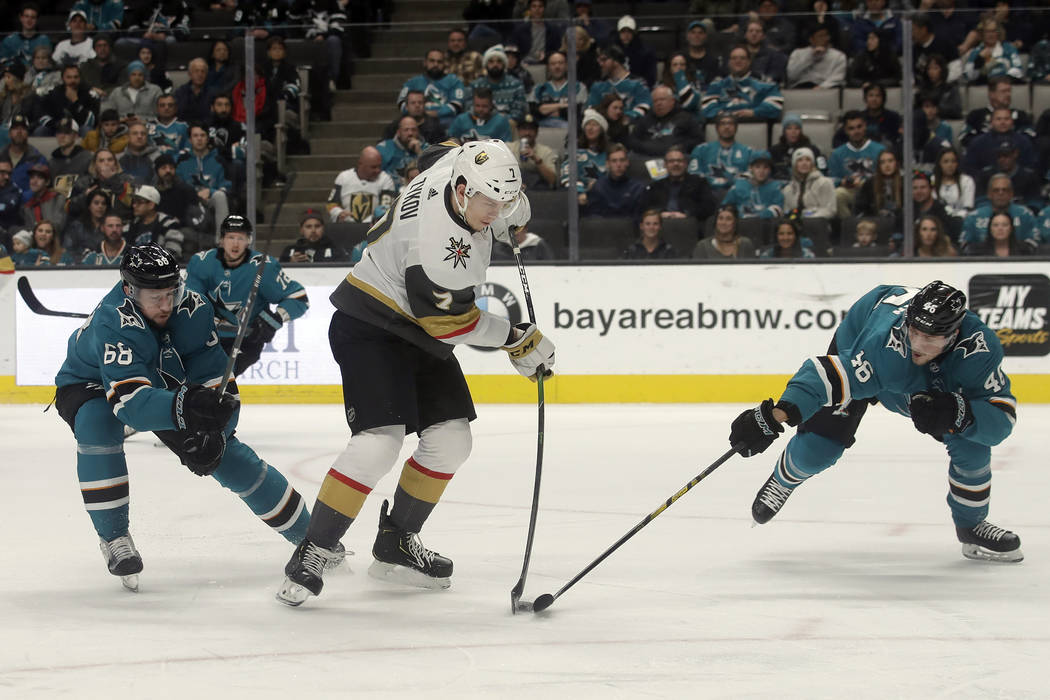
481 158
362 204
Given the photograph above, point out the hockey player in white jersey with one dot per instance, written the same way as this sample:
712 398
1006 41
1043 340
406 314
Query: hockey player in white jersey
399 315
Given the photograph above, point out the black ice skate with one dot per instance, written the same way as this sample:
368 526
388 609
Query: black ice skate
401 558
770 499
987 542
123 560
304 570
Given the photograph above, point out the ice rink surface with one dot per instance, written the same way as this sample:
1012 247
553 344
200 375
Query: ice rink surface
856 590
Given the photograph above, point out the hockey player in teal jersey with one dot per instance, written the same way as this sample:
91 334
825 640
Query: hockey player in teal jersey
225 275
918 353
148 357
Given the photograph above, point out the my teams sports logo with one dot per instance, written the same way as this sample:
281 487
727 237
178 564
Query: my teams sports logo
1015 308
497 299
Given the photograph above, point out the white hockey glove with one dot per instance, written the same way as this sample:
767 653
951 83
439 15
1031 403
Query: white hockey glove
530 351
518 215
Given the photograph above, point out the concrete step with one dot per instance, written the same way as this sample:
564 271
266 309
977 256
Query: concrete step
299 196
290 212
309 179
345 145
333 164
351 128
408 44
422 34
361 111
375 83
379 94
387 66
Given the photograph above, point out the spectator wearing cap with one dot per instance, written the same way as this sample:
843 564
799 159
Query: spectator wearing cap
640 58
103 72
615 193
313 244
135 100
598 29
44 202
721 161
110 135
665 125
201 168
617 79
809 191
482 121
792 137
538 161
151 225
10 196
758 196
508 93
177 198
591 152
778 30
767 62
444 92
193 99
536 37
702 65
101 15
515 68
983 151
1027 185
23 254
680 194
819 65
70 99
549 101
14 91
78 47
362 194
137 159
21 45
22 154
741 93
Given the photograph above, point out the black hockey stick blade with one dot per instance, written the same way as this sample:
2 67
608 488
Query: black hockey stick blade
547 599
34 304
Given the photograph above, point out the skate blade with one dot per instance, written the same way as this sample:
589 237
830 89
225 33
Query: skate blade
392 573
292 594
979 553
130 582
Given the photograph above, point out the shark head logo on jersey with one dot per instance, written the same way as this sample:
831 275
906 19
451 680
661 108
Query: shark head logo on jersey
190 303
972 345
129 316
896 339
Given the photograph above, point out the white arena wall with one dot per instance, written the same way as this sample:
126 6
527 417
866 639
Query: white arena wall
624 333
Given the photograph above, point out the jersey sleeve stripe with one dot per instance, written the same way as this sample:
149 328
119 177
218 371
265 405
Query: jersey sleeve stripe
122 388
442 327
829 369
378 296
1006 405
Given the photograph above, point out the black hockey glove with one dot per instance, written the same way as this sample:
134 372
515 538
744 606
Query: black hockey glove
755 429
940 412
202 452
199 409
263 328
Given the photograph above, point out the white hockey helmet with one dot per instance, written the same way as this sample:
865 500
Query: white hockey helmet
489 168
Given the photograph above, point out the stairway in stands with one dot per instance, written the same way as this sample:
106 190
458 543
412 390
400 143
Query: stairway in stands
359 115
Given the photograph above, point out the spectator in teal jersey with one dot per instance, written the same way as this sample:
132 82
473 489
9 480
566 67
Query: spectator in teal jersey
482 121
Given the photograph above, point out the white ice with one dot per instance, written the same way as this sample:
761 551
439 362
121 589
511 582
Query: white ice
856 590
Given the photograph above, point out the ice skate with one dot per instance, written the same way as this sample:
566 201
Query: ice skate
123 560
987 542
304 571
769 500
401 558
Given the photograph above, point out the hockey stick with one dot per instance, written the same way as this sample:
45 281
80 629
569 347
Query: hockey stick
34 304
243 318
516 603
546 600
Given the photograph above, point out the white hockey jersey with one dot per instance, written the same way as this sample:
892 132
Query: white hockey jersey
417 275
366 200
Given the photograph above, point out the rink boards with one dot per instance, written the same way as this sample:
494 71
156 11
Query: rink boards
624 333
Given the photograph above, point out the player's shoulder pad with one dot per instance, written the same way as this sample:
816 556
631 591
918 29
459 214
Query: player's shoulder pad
435 153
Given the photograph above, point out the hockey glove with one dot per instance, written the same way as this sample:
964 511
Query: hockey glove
202 452
940 412
531 351
506 224
755 429
199 409
263 328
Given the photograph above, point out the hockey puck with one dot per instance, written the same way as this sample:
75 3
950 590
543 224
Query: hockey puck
542 603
